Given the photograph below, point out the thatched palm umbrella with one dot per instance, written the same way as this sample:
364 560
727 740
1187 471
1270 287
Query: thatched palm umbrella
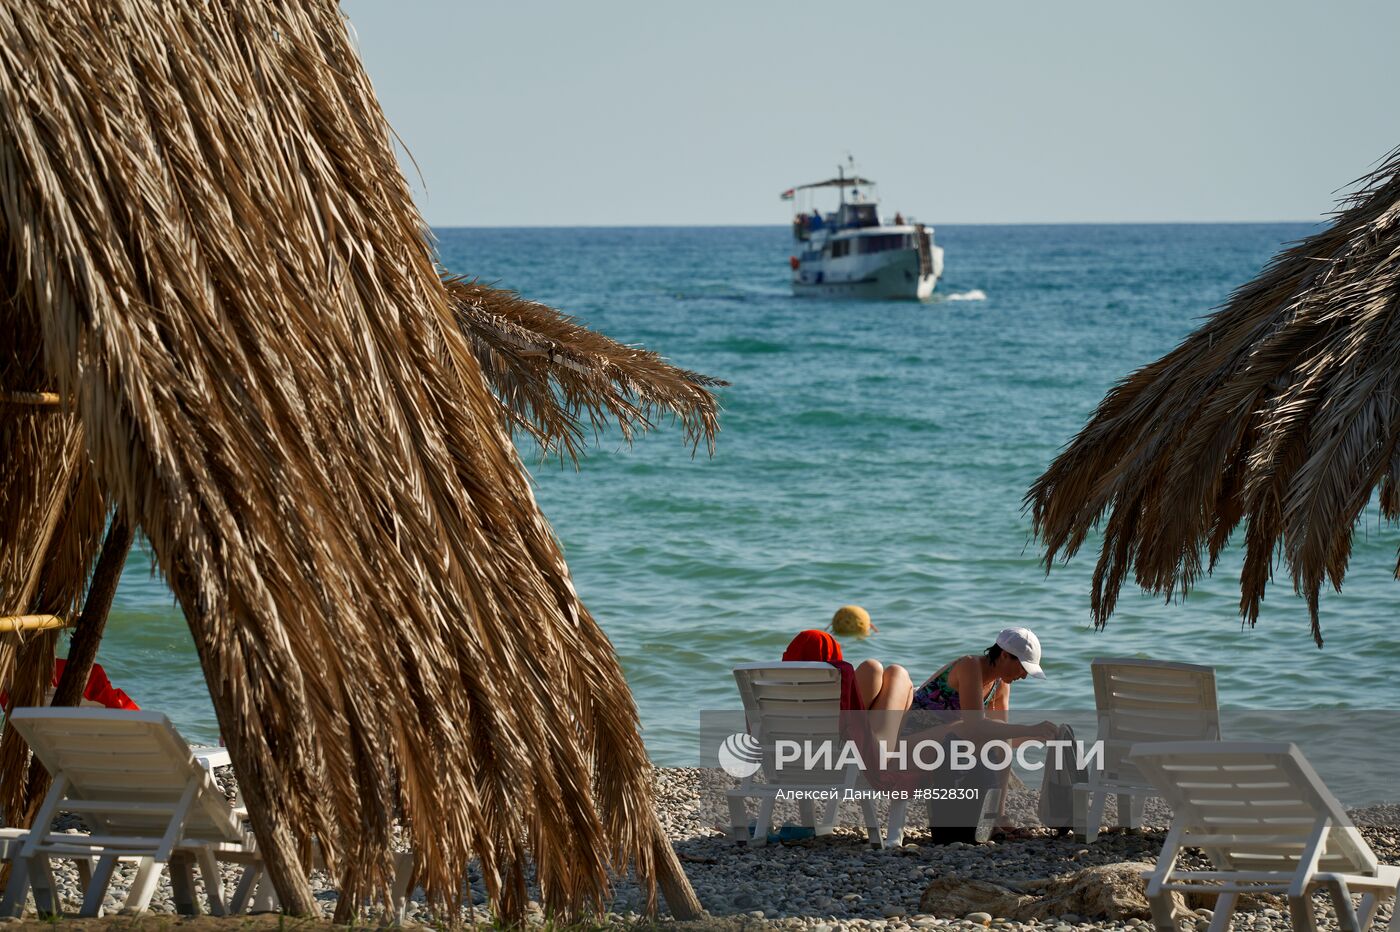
548 372
212 260
1282 412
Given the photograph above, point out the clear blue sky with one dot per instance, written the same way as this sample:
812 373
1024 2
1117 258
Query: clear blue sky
630 112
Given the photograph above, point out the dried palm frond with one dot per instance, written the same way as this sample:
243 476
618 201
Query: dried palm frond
1281 411
51 519
214 256
547 370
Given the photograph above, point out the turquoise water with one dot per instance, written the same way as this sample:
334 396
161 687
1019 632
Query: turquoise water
874 453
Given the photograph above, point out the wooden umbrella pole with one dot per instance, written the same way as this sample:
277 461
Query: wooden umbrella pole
275 838
675 885
276 842
82 650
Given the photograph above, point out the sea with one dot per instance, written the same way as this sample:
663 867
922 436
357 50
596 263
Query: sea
870 453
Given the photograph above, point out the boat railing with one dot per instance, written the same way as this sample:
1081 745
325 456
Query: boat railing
923 239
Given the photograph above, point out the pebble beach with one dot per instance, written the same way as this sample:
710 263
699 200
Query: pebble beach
840 882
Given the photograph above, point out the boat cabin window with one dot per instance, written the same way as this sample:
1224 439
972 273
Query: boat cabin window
859 215
883 242
840 247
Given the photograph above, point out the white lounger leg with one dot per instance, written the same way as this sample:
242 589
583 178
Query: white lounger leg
266 898
143 886
987 816
84 866
765 820
403 880
17 891
213 882
1301 914
1366 912
1224 909
899 814
243 892
829 813
739 817
182 884
1131 808
807 813
96 890
872 820
1098 805
1081 812
46 899
35 869
1346 912
1162 918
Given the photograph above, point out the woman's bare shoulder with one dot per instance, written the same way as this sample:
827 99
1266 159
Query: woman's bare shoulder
965 666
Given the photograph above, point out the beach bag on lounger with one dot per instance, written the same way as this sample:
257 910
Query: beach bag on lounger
1056 808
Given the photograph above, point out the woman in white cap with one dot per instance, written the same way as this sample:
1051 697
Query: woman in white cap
988 676
983 682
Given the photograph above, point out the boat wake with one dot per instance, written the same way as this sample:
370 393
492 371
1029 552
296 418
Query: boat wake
976 294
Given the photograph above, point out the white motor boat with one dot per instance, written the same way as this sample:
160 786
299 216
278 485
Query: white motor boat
852 253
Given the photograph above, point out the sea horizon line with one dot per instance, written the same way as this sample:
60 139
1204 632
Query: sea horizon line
762 226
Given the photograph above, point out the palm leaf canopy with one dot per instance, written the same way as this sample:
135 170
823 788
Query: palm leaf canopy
1282 413
211 256
548 371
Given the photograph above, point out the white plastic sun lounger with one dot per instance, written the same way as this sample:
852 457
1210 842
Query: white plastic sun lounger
135 782
800 701
1140 700
1268 824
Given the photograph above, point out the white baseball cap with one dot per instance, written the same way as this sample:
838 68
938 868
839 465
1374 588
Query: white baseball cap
1022 644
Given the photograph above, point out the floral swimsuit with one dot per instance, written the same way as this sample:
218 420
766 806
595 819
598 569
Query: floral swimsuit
937 696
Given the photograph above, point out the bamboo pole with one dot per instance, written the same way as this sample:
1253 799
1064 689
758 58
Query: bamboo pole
40 399
15 624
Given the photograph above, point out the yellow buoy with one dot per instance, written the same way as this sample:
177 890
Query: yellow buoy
852 621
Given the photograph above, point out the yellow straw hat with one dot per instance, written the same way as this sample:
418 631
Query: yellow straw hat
852 621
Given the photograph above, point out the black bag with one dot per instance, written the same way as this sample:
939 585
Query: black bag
1056 807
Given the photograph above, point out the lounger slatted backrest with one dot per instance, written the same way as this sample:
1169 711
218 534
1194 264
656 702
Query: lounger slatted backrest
1150 700
795 701
1253 808
126 771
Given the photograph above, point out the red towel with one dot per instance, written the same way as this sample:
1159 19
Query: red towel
99 689
818 646
813 645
